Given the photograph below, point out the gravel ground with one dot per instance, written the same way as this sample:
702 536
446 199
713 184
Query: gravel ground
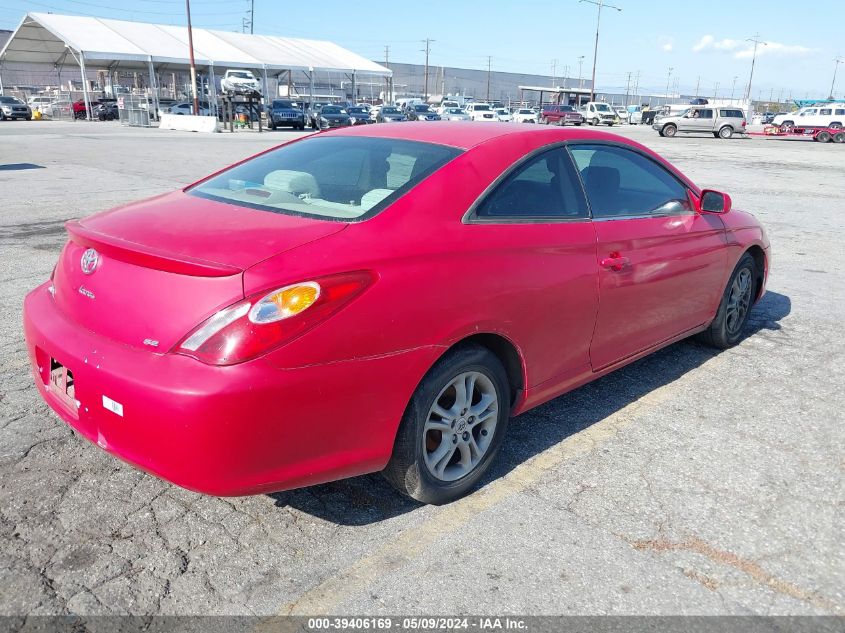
688 483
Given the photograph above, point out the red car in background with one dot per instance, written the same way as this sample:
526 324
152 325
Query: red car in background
79 107
560 115
380 298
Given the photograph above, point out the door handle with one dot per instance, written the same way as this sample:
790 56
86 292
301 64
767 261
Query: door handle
615 262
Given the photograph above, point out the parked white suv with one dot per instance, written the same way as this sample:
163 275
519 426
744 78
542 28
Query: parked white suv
239 82
819 115
481 112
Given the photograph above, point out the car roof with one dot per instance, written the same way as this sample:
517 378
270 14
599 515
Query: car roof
468 134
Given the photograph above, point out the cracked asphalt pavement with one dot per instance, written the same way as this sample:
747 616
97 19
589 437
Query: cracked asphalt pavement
691 482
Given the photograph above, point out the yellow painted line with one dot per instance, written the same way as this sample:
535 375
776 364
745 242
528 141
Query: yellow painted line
407 545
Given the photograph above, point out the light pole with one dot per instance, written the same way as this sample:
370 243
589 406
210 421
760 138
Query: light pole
193 64
600 4
580 74
836 63
756 40
733 88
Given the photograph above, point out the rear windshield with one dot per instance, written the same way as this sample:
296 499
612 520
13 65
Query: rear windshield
334 178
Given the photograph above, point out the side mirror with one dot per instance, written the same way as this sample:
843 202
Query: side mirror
715 201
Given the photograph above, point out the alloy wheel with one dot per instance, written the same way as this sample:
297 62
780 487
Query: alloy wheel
739 301
460 426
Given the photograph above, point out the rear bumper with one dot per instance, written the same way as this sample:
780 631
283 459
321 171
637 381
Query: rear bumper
244 429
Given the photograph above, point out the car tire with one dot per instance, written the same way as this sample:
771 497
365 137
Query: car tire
670 129
726 132
839 137
823 137
726 329
423 445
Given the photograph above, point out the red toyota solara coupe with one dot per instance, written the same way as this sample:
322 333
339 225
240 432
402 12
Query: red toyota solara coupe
380 298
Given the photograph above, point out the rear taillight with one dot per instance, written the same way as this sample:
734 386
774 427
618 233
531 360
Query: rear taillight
268 320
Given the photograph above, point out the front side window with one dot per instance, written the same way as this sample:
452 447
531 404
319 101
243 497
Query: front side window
620 182
546 186
340 178
825 111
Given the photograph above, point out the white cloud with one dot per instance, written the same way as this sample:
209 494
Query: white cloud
666 44
703 43
775 48
708 41
745 49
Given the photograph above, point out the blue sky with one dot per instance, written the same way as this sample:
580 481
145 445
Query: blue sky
705 40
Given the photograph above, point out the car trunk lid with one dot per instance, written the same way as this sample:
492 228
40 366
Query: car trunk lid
164 265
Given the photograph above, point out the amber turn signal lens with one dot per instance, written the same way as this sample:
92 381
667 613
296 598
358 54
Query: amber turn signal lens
285 302
294 300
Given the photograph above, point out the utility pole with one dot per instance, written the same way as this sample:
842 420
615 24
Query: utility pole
489 61
193 64
637 88
386 55
600 4
697 84
836 63
716 92
580 73
427 50
554 71
756 39
668 79
627 89
733 87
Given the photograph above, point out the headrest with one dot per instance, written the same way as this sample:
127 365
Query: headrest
295 182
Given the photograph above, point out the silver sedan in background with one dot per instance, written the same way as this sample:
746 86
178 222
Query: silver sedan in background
454 114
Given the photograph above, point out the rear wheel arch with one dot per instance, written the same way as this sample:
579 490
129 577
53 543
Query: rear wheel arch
507 353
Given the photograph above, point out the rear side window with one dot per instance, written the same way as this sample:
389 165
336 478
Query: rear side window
733 114
840 112
620 182
545 186
336 178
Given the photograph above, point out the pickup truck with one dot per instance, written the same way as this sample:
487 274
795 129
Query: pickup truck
721 122
560 115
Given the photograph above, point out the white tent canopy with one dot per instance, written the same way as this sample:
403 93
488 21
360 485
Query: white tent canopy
47 38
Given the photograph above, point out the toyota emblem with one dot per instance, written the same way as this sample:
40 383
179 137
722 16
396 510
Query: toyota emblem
90 259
